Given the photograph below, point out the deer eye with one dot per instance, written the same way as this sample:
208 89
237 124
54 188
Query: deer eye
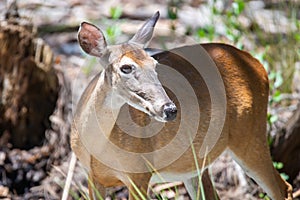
126 69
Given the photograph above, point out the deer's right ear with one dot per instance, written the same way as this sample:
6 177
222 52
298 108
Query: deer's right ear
91 39
144 34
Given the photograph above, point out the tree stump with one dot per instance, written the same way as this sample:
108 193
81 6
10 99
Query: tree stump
28 85
287 147
34 114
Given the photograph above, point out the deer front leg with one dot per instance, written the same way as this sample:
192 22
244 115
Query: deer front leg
95 188
192 186
138 185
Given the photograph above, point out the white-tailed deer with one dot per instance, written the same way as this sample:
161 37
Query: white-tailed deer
129 77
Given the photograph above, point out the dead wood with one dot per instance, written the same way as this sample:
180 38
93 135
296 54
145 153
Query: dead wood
286 148
28 84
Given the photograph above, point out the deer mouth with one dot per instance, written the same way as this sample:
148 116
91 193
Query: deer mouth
163 112
155 115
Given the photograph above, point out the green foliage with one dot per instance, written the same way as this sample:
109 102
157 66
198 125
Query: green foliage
284 176
278 52
113 31
264 196
272 118
279 165
172 12
275 81
297 37
238 7
173 7
207 32
233 26
115 12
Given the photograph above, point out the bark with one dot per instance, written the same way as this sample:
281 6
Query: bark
287 147
28 85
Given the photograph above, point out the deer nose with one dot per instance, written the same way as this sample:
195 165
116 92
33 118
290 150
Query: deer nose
170 111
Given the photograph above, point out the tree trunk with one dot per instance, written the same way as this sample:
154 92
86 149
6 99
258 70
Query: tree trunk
28 85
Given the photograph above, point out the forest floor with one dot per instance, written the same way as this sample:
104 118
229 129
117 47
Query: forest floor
57 24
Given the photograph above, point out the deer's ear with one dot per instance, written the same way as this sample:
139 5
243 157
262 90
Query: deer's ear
144 34
91 39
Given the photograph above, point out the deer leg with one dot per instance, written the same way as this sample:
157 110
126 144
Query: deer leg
137 185
254 157
95 189
209 189
192 186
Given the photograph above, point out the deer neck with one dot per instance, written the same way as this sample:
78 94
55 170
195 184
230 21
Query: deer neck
107 104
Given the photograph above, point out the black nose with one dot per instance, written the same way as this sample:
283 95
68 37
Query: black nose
170 111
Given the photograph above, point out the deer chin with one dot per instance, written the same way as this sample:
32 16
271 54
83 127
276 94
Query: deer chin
148 109
145 106
154 114
160 119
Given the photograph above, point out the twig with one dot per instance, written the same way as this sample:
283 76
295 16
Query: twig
69 177
293 96
57 28
296 194
165 186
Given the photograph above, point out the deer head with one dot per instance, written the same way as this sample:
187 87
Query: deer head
130 70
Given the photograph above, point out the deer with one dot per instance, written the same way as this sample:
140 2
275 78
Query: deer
130 81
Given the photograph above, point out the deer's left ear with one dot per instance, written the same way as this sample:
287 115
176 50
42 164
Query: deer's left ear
144 34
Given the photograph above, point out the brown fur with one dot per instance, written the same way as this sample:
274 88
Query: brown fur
244 132
138 55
